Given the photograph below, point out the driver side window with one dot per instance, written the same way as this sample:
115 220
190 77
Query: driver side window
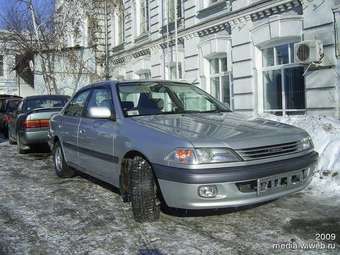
100 97
76 106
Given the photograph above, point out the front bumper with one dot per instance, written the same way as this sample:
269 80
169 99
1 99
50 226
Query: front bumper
179 187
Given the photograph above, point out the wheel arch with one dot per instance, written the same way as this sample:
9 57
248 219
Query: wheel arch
124 168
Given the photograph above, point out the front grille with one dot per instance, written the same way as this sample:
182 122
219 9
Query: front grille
268 151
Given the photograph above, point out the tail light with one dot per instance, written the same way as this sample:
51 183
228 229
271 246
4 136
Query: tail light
36 123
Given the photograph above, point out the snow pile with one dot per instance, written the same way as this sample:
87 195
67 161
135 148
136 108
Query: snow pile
325 132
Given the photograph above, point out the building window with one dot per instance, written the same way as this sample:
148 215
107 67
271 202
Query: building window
120 77
283 81
173 75
117 27
81 33
142 16
220 79
171 9
1 65
207 3
145 75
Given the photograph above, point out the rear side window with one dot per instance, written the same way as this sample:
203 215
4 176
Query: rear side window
100 97
76 106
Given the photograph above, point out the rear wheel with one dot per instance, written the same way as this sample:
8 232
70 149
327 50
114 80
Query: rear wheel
10 140
60 166
143 191
5 132
20 148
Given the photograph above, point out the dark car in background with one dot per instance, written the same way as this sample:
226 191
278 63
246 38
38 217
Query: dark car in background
8 107
29 125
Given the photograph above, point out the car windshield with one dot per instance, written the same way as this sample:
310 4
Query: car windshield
36 103
152 98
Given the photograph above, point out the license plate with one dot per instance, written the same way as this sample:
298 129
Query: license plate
275 183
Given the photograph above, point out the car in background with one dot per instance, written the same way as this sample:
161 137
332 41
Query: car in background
8 107
172 142
29 125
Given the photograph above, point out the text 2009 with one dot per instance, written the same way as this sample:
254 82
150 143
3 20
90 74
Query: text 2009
325 236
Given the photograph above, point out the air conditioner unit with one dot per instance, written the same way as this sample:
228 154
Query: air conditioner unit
307 52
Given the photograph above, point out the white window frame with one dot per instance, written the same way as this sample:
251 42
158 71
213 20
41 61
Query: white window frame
206 3
82 36
141 26
280 67
220 74
145 75
173 74
117 27
166 11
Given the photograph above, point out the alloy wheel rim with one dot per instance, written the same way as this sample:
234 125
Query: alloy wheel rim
58 159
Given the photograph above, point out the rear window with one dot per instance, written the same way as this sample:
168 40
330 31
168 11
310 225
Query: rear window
12 105
45 103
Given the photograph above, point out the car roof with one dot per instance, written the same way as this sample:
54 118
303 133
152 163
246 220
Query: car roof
13 99
3 96
118 82
151 80
46 96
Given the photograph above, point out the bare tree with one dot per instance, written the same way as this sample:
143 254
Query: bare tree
44 29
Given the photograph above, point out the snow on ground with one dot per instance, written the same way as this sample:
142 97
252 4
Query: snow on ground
43 214
325 132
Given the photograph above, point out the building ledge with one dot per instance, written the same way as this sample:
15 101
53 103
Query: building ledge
142 37
118 47
213 9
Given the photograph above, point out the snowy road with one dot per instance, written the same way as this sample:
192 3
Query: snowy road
42 214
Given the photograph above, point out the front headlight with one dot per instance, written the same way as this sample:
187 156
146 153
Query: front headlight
182 155
215 155
202 156
306 144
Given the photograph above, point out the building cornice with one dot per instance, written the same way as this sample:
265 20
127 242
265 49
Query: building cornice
230 20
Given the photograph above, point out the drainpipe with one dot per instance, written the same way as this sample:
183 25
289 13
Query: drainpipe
336 14
107 70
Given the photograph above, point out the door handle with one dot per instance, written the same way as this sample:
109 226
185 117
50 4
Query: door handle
82 131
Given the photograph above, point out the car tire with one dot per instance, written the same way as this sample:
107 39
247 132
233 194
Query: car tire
123 193
11 141
61 168
143 191
20 148
5 132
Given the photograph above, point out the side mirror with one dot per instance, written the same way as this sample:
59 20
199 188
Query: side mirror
100 113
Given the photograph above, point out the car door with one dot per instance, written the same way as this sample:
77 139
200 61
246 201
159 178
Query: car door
96 138
69 125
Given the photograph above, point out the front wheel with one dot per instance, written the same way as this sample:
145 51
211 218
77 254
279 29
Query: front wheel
143 191
60 166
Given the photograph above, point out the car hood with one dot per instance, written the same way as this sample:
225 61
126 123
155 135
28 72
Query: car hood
223 129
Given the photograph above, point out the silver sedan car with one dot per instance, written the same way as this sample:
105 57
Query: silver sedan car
170 142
